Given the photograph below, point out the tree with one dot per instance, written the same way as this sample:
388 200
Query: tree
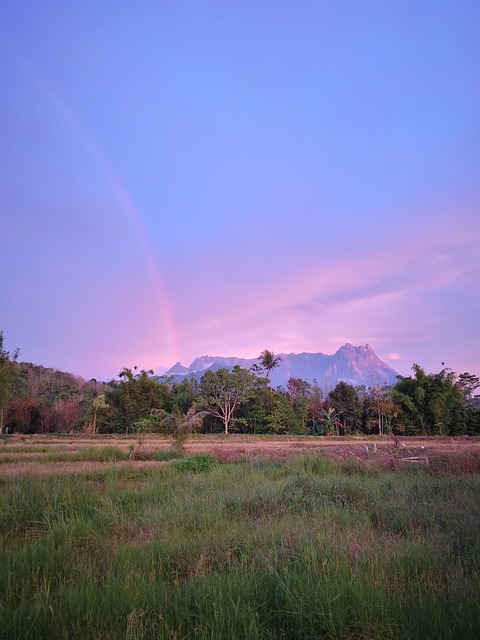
178 425
315 405
24 416
134 398
222 392
297 388
344 399
380 402
8 373
267 362
298 392
282 418
99 403
255 412
431 404
182 393
468 383
331 422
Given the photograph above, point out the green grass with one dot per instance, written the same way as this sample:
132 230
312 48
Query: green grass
107 453
302 549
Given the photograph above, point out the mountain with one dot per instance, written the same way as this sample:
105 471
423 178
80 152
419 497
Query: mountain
354 365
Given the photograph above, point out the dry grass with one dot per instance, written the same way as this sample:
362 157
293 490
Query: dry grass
17 469
26 454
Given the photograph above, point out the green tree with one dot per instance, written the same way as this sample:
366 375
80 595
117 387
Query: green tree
222 392
133 398
267 362
297 388
431 404
282 418
379 402
298 392
178 425
468 383
315 405
331 423
344 399
255 411
182 394
8 375
99 404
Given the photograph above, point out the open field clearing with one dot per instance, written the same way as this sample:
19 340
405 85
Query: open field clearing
43 454
243 538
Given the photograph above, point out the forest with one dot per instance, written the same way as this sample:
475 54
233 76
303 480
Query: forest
35 399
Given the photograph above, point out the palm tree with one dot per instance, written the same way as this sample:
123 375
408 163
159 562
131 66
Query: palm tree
178 425
268 361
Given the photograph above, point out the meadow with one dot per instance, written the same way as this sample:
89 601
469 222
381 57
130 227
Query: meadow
241 539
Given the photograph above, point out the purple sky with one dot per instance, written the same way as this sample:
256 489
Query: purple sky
216 178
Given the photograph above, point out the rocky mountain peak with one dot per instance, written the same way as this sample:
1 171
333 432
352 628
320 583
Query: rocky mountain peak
356 365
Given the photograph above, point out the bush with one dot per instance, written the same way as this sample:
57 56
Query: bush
199 463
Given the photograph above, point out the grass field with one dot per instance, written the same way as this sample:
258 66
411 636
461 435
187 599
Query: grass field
242 538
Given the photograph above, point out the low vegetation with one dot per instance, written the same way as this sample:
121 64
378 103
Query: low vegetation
302 548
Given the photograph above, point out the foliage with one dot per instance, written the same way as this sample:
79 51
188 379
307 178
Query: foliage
24 415
99 404
282 418
222 392
178 425
267 362
182 394
330 422
256 410
431 404
134 398
8 374
198 463
315 406
468 383
344 400
379 410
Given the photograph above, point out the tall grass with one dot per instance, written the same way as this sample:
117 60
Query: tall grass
107 453
300 549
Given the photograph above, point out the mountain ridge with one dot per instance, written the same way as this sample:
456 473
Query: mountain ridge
356 365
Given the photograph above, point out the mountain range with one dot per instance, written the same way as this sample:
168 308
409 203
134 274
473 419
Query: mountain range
354 365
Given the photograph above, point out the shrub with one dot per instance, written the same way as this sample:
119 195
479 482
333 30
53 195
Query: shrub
199 463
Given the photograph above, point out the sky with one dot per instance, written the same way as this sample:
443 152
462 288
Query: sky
222 177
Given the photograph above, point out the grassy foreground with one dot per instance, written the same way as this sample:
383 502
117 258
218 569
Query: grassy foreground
301 549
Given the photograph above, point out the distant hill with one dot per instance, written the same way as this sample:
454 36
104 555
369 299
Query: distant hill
354 365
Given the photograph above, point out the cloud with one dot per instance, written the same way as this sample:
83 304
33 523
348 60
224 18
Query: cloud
394 356
388 294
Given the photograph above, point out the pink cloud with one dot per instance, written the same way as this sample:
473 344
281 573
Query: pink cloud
394 356
377 295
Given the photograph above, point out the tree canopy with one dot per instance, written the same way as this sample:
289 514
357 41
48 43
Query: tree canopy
223 391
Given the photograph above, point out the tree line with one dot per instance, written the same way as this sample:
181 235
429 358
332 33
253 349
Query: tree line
34 399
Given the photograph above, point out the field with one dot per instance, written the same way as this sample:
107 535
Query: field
244 537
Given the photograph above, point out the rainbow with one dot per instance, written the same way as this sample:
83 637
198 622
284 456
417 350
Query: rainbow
122 196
